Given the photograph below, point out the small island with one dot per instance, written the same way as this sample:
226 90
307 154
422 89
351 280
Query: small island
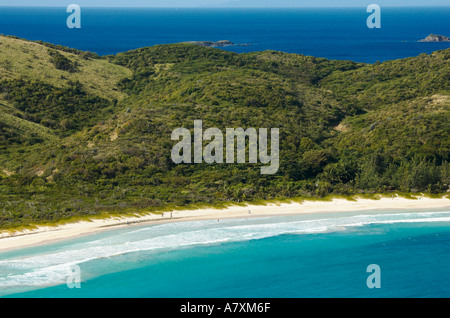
435 38
222 43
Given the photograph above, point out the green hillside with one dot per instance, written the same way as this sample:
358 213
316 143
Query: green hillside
81 134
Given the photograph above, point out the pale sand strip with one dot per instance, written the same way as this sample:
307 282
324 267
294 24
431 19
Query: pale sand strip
49 234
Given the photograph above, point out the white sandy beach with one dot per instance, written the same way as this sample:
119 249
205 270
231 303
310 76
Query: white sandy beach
48 234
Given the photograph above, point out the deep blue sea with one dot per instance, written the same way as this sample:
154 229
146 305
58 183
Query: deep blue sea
316 255
335 33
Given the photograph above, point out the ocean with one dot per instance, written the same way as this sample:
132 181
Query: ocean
335 33
313 255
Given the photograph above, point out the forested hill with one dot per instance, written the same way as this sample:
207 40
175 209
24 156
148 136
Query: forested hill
82 134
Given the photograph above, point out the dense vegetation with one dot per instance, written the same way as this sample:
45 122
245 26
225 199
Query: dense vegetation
71 149
61 62
67 109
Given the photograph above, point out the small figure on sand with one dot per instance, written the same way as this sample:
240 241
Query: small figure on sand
249 212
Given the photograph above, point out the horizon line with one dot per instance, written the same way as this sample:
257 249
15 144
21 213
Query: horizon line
224 7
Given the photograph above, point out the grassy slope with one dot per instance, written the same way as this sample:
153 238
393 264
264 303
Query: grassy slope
346 128
25 59
382 84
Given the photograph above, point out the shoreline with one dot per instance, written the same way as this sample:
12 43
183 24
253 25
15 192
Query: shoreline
49 234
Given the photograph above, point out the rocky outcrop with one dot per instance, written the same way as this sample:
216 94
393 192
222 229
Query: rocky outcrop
222 43
435 38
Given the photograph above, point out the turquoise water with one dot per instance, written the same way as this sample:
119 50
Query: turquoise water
318 255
